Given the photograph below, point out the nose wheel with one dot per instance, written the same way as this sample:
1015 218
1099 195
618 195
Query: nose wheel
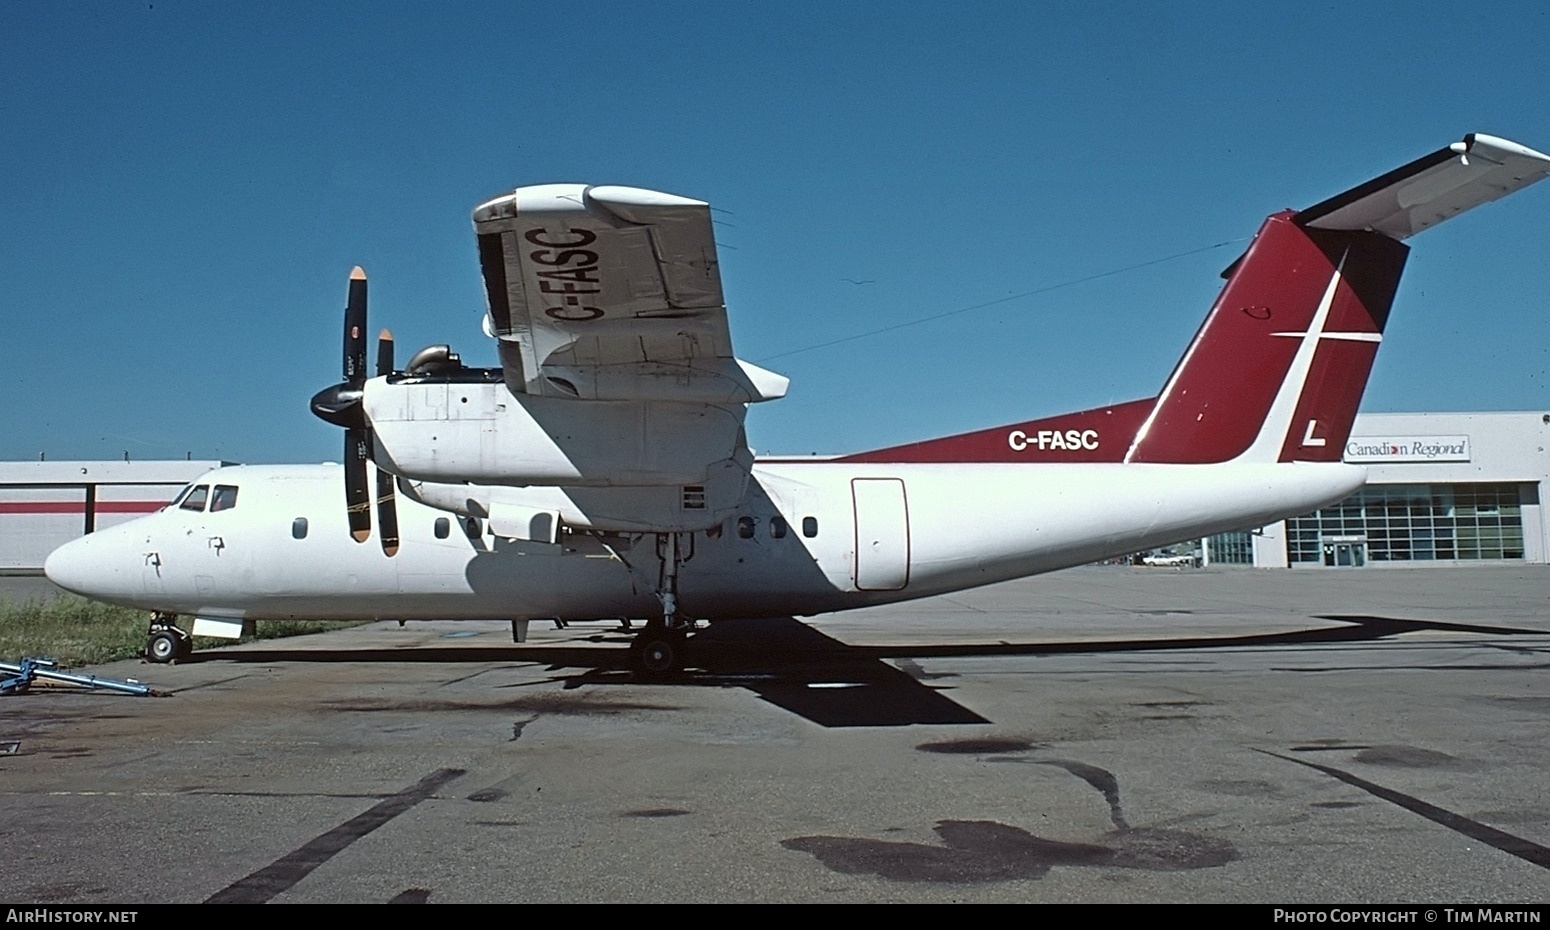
165 642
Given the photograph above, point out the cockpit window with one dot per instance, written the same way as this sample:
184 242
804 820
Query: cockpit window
225 498
180 495
196 498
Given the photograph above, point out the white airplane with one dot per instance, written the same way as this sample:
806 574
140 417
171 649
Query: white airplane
602 471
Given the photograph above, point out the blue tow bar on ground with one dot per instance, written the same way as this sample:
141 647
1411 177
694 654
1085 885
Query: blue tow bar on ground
18 678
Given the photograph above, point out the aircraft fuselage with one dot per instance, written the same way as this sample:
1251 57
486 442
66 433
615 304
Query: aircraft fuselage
813 537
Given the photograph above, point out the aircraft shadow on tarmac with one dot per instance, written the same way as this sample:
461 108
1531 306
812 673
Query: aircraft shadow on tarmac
806 672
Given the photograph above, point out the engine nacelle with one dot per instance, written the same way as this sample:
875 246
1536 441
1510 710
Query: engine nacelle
478 432
536 513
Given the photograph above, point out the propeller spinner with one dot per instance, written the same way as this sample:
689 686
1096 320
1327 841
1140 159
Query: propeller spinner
342 405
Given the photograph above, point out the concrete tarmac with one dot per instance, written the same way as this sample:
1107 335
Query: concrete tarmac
1106 734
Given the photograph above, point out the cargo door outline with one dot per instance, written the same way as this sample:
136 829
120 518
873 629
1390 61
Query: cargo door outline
882 534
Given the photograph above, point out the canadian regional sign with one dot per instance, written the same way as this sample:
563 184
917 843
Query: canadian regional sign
1407 449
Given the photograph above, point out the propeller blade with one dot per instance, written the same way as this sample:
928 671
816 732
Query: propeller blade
355 330
357 496
387 513
384 353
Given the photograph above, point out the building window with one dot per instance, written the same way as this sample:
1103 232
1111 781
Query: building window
1235 548
1416 523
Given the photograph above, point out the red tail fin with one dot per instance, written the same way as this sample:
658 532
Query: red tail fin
1278 367
1277 371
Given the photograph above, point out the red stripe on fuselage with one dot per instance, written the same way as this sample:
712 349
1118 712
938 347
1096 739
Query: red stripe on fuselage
1102 434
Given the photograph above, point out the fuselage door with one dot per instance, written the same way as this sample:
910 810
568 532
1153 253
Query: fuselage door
882 534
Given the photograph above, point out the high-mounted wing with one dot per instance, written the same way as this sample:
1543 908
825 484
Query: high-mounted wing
610 293
618 405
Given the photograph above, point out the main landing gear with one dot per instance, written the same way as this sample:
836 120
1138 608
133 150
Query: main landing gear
659 649
165 642
658 652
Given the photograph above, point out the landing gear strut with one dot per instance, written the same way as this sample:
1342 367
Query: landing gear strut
165 642
659 649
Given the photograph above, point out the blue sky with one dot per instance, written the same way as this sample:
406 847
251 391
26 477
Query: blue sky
184 187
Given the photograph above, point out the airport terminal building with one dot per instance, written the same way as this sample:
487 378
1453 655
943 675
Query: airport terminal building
1442 488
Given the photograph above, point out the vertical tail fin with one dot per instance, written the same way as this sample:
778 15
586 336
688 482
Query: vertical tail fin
1277 370
1278 367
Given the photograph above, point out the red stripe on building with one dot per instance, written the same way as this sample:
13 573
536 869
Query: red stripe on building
40 507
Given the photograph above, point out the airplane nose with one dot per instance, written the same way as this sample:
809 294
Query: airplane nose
65 566
73 567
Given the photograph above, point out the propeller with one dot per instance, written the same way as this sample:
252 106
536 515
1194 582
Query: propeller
387 506
341 405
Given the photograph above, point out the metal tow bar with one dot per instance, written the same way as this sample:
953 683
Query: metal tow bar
15 679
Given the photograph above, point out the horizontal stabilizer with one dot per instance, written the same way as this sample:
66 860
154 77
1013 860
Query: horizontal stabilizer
1431 189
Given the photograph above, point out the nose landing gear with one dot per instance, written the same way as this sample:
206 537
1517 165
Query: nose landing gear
165 642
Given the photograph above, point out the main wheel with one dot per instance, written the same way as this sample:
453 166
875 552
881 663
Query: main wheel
656 654
162 647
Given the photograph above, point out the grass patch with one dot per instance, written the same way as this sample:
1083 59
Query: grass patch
75 631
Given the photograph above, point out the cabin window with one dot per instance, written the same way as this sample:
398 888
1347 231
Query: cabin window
778 527
809 527
196 498
443 527
713 532
745 527
299 528
225 498
471 527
